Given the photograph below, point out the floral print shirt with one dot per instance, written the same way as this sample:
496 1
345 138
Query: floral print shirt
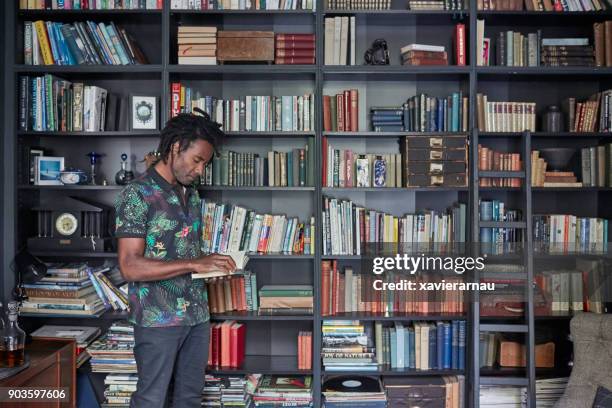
152 209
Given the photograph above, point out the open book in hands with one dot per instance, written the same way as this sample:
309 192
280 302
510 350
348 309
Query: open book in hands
240 259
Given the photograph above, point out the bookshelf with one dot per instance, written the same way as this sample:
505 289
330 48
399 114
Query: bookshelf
272 339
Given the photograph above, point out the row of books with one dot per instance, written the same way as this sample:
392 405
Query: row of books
233 293
495 210
596 164
344 290
304 349
248 113
571 230
341 111
591 115
281 169
90 4
113 351
233 228
514 49
340 41
436 345
222 391
242 5
197 45
548 392
348 345
505 116
543 5
436 5
345 168
49 103
426 54
76 289
294 48
540 177
288 299
118 389
79 43
492 160
346 226
227 344
358 4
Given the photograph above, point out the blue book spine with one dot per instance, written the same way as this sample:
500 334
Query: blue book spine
393 351
433 347
406 347
440 117
440 344
406 117
394 118
455 112
411 355
388 128
455 345
462 328
447 346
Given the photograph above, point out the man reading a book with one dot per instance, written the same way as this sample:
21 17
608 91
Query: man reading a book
159 229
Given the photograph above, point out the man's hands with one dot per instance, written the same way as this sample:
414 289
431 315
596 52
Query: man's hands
214 263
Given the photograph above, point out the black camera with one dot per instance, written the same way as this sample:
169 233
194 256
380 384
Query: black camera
378 54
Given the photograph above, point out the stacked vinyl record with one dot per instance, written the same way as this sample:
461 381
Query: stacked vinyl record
280 391
353 390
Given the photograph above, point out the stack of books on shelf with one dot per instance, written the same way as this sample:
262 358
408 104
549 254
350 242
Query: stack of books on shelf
76 107
488 349
495 210
567 52
492 160
505 116
548 391
119 389
435 5
436 345
495 396
358 4
387 118
340 40
91 5
233 293
242 5
347 346
345 168
570 231
83 336
341 111
227 344
285 299
234 228
344 291
304 350
294 48
506 5
424 54
249 113
590 115
279 169
596 165
353 391
346 226
414 390
51 43
228 391
72 289
197 45
276 390
542 178
514 49
113 352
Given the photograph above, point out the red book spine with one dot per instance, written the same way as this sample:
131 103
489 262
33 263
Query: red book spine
294 60
340 113
160 4
233 332
303 45
354 100
176 98
243 301
225 344
292 52
346 100
325 275
327 124
295 37
460 44
241 341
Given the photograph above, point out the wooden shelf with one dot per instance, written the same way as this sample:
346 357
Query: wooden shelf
256 188
87 12
329 190
398 12
371 134
262 364
89 69
394 70
259 69
250 316
544 71
248 12
394 317
397 372
106 134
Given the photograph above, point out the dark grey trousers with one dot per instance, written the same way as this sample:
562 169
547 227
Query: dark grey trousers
166 353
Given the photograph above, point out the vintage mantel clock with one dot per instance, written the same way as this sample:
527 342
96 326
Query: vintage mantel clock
71 224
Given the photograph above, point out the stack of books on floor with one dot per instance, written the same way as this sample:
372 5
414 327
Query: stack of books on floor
232 228
413 391
497 396
422 345
567 52
548 392
82 43
66 290
225 391
277 391
353 391
233 293
348 346
119 389
227 344
83 335
197 45
113 352
294 48
285 299
424 54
